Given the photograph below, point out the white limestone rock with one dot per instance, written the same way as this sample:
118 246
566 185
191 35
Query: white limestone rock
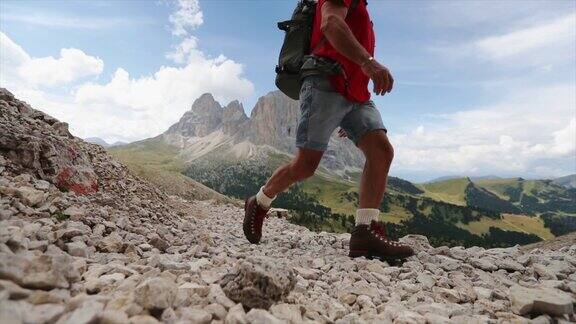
540 301
156 293
236 315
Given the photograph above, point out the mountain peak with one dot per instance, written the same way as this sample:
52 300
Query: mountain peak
206 96
232 117
202 119
234 107
233 103
206 104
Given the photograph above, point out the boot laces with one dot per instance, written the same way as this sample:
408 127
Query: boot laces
378 229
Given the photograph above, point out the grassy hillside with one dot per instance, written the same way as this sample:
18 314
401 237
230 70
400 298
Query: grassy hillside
533 196
159 163
507 189
451 191
541 207
510 222
342 197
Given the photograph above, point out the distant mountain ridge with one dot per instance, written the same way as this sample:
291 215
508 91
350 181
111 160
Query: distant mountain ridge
451 177
568 181
101 142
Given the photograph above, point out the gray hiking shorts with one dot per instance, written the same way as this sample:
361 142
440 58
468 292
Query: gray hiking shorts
322 109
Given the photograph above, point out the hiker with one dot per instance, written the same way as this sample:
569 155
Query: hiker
342 36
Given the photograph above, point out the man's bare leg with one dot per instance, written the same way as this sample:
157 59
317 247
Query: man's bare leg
256 207
300 168
368 237
379 154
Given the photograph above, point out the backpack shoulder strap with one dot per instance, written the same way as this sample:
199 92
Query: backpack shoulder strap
354 4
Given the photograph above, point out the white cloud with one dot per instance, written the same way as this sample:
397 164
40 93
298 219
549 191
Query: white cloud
521 134
560 30
72 65
188 16
11 56
185 51
12 53
565 139
21 70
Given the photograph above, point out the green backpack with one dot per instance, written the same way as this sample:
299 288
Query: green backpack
296 49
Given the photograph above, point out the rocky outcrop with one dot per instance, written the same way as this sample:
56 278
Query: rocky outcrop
38 144
525 300
204 117
273 122
233 117
128 253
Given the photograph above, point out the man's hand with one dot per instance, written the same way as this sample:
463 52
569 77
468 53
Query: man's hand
380 75
342 133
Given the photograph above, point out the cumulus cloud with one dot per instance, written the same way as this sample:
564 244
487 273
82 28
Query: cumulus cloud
72 65
522 133
19 69
12 56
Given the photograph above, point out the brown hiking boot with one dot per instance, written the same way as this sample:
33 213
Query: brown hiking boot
370 241
253 219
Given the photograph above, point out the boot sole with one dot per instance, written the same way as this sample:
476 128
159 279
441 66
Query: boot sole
371 255
247 235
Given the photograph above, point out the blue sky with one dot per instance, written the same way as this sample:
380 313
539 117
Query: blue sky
482 87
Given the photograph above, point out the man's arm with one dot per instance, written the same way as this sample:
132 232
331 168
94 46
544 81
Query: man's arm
338 33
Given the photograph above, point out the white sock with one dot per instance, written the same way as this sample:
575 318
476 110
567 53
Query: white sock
263 200
364 216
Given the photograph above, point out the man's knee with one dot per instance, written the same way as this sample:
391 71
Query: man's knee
380 150
305 163
388 151
302 171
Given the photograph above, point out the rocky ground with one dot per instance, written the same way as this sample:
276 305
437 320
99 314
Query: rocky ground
84 241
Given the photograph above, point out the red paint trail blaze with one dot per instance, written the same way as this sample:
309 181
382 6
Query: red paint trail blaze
64 181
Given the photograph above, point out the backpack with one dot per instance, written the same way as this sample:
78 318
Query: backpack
296 46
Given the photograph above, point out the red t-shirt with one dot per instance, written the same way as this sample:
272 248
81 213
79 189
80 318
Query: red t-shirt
354 84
